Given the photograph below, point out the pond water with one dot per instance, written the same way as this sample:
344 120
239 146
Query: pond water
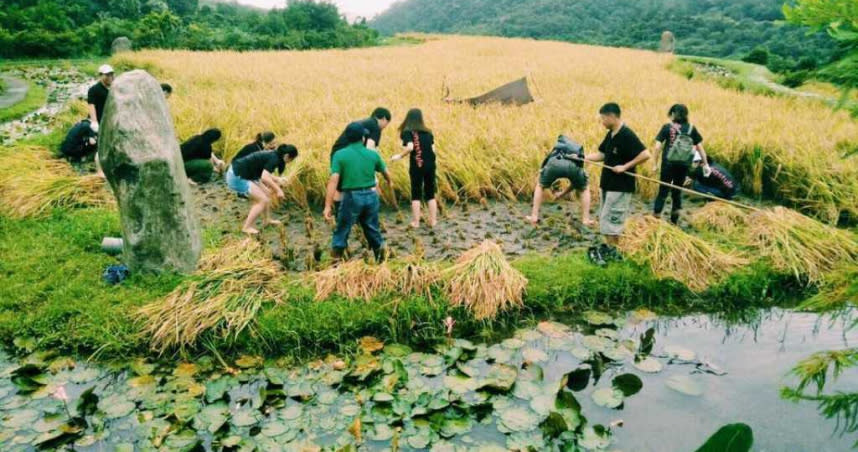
672 382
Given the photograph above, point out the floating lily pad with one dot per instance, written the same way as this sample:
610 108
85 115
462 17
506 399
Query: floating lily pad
420 439
381 432
730 438
21 418
456 426
274 428
595 438
553 329
397 350
500 354
513 344
534 355
685 385
531 440
212 417
519 419
578 379
618 353
249 362
643 315
460 384
141 367
597 343
116 406
629 384
597 318
542 404
370 344
608 397
649 365
528 335
679 353
245 417
432 365
500 377
582 353
608 333
382 397
364 366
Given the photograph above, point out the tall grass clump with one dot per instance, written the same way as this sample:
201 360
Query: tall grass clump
223 297
719 217
33 182
800 245
672 253
484 282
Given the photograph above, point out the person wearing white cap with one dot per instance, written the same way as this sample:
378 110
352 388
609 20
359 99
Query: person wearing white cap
96 97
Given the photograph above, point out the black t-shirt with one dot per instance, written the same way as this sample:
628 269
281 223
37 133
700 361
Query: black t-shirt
426 152
370 124
251 167
667 136
196 148
97 95
77 138
247 150
619 150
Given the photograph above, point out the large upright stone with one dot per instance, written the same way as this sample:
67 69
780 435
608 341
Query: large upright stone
140 157
121 44
668 42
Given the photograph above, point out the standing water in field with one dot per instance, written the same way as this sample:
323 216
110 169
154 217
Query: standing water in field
636 383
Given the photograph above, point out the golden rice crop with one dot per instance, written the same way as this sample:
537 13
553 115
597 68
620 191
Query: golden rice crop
719 217
800 245
354 279
483 281
308 97
32 182
223 296
672 253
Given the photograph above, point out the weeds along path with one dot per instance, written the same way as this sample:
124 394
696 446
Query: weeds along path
787 149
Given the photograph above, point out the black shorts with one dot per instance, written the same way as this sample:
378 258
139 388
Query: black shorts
422 184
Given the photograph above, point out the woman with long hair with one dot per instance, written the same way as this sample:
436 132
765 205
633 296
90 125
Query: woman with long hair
419 143
252 177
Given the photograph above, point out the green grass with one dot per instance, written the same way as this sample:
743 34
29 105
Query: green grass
36 97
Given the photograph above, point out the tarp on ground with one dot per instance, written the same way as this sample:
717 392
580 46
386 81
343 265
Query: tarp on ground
514 93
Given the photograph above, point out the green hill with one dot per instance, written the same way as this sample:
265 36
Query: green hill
719 28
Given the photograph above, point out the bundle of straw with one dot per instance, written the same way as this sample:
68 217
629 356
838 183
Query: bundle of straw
800 245
223 296
719 217
418 277
354 280
483 281
672 253
32 182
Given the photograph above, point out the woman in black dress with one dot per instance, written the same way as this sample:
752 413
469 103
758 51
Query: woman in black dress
419 142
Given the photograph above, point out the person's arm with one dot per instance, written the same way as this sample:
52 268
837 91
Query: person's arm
704 158
656 151
370 144
564 192
640 158
269 182
595 157
406 149
330 193
93 117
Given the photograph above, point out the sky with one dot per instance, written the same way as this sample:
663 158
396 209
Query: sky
352 8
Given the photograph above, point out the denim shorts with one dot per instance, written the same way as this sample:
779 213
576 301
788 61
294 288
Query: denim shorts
237 184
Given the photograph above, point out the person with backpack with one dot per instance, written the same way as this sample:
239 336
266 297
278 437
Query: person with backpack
419 143
565 161
679 139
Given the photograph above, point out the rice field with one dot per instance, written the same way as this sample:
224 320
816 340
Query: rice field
789 148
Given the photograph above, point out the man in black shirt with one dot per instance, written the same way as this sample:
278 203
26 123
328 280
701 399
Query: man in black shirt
374 125
96 97
621 151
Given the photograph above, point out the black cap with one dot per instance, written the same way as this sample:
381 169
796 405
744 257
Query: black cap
356 132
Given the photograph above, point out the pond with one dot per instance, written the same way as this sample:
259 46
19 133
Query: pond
633 383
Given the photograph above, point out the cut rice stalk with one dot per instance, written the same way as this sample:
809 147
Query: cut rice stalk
484 282
838 291
354 280
32 182
418 278
223 296
800 245
672 253
719 217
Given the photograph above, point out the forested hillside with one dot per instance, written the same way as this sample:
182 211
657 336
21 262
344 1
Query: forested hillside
74 28
722 28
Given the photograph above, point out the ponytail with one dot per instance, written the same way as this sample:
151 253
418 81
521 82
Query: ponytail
265 137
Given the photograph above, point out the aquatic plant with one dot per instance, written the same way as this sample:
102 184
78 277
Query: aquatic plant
672 253
484 282
800 245
223 297
32 182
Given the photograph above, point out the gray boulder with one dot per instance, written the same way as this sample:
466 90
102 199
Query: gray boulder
140 157
121 44
668 42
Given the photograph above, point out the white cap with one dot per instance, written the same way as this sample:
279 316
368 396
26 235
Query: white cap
697 157
105 69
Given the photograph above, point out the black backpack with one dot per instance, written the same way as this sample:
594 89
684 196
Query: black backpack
565 148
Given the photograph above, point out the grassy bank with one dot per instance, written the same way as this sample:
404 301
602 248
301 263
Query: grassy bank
51 289
37 96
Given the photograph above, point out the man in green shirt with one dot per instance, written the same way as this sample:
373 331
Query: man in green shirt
356 166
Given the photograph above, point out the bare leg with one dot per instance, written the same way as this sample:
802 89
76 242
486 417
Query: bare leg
259 203
415 214
533 218
585 207
433 213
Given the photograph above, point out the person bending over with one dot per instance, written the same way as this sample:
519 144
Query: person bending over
565 161
719 182
374 125
251 177
265 141
200 160
81 142
355 166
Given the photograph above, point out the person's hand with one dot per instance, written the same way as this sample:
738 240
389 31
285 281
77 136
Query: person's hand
619 169
557 194
327 213
94 127
707 171
92 141
280 194
396 157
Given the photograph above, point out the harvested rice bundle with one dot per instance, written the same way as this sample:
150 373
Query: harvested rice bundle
800 245
354 279
672 253
223 296
32 182
418 277
483 281
839 290
719 217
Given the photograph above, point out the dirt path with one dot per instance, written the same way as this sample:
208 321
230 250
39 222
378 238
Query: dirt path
16 91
